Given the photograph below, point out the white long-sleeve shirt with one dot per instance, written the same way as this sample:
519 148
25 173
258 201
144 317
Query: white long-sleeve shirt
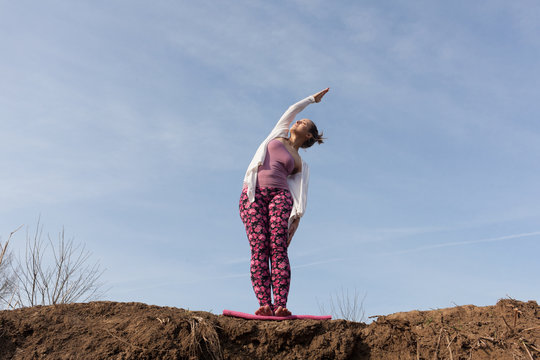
298 183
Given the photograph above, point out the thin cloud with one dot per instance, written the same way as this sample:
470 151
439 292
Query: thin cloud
315 263
470 242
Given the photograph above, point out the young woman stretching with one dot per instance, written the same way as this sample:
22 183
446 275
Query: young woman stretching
272 202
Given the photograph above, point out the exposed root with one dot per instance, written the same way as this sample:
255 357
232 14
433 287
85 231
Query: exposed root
203 332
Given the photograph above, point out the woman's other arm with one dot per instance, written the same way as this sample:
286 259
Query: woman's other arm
292 229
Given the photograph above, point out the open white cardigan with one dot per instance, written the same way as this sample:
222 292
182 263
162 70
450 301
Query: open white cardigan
298 183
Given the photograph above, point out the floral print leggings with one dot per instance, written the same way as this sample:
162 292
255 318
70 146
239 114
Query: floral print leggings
267 227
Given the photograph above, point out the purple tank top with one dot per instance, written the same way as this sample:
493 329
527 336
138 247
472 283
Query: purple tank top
277 165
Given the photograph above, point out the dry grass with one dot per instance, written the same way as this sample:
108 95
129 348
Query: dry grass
203 340
345 305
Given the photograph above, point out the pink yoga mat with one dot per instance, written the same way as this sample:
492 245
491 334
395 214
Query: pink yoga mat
259 317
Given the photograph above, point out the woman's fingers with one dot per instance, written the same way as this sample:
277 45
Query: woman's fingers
292 230
318 96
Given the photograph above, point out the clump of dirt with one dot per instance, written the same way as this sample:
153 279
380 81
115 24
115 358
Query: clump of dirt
109 330
508 330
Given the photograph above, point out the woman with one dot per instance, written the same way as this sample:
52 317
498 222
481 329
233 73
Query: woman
272 202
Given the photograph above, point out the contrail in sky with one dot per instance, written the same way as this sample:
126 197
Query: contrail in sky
458 243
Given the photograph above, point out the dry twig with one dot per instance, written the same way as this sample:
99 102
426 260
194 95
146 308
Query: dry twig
488 338
448 346
436 356
517 313
526 349
124 341
505 323
164 320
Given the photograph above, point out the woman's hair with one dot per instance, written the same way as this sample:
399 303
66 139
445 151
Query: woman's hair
315 138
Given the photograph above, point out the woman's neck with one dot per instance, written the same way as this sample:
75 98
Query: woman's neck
295 141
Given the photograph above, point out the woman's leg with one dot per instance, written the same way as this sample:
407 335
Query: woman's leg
255 218
279 211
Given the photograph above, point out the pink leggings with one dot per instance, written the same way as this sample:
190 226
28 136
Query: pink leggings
267 227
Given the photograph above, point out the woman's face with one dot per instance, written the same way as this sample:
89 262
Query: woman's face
302 128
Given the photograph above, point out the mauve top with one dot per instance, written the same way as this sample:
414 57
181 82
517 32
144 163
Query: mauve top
298 182
277 165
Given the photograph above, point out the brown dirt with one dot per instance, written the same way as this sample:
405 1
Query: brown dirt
108 330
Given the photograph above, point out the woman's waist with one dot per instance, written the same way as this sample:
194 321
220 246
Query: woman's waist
272 179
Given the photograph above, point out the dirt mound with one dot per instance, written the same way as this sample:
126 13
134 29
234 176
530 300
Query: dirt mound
108 330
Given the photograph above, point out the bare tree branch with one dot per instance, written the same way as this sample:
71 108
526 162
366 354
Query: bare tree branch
7 277
55 272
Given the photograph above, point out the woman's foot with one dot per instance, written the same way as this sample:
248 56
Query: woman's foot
282 311
264 310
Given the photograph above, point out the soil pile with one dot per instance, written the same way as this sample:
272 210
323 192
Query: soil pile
108 330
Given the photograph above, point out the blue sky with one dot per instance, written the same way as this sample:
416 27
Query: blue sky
131 124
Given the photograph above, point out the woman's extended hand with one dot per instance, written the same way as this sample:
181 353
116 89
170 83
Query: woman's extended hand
292 230
318 96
